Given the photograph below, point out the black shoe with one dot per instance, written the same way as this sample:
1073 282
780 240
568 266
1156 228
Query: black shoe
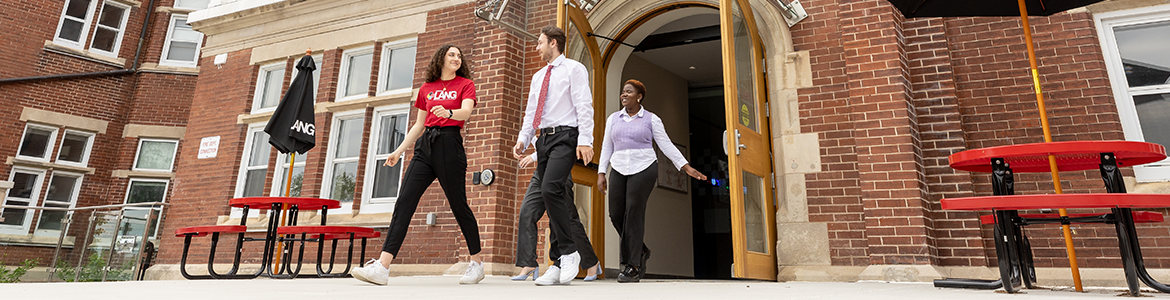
645 258
630 274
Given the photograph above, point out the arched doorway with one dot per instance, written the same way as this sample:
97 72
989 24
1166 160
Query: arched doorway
741 96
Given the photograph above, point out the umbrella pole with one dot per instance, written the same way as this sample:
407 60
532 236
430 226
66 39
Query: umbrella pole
283 212
1068 244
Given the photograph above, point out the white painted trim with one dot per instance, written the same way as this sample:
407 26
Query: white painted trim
84 27
164 61
343 78
73 196
121 30
242 174
35 197
334 133
370 205
166 190
138 152
384 65
51 142
261 85
90 137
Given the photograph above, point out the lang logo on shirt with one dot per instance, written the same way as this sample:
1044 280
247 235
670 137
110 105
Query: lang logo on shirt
442 95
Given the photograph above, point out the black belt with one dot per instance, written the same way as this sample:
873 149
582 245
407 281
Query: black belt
433 132
553 130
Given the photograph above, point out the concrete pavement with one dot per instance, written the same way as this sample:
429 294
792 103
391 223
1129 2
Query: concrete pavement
500 287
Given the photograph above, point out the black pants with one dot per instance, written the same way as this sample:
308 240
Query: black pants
530 212
438 153
628 195
556 154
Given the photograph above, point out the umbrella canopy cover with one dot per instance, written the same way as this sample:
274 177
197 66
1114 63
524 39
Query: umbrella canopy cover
984 8
291 128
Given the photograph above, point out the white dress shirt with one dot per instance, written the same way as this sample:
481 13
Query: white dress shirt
569 102
631 161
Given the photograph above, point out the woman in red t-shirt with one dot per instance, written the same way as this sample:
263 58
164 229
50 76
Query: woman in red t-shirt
444 103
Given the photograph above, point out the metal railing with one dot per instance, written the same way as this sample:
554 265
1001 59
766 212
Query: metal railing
100 216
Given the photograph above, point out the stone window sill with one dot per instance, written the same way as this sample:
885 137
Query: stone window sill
47 165
84 54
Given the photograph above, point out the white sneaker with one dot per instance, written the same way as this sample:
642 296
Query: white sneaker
474 273
375 273
570 265
552 276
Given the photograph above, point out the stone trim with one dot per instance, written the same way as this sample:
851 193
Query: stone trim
5 185
147 174
46 165
63 120
356 104
116 62
154 131
32 240
156 68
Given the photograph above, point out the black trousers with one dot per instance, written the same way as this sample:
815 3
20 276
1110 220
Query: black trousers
628 195
438 153
530 212
556 154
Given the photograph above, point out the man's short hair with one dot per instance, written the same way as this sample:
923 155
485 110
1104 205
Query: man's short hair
555 34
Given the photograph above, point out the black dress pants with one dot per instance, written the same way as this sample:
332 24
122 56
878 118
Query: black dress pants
628 195
556 154
438 153
530 212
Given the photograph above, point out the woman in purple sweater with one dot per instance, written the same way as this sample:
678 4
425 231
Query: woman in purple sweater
627 147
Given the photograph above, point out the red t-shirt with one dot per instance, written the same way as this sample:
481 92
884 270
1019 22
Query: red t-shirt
449 94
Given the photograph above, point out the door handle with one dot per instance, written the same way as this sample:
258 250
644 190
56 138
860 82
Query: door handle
739 146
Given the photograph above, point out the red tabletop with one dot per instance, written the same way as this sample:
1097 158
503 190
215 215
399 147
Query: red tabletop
266 202
1070 156
325 230
1017 202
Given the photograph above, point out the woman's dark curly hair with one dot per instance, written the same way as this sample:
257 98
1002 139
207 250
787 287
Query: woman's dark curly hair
435 69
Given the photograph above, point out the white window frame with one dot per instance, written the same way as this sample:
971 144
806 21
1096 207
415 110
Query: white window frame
167 46
52 142
84 155
319 61
190 7
74 195
139 152
369 203
281 169
343 78
121 29
384 66
249 140
84 27
334 134
261 84
1122 93
35 198
166 191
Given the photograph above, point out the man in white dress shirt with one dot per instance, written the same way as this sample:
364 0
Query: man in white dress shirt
559 119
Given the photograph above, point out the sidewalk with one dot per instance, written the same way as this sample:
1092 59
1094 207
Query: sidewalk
500 287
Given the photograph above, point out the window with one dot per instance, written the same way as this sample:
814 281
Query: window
62 193
356 66
192 4
397 71
388 131
74 25
26 188
343 153
1135 53
75 148
254 167
316 74
37 142
155 155
268 87
144 191
279 179
111 24
182 45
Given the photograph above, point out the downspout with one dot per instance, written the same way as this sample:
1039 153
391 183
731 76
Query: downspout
125 71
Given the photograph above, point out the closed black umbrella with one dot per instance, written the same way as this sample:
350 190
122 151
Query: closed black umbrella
291 128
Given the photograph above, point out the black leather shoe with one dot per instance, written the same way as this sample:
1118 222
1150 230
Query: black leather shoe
645 258
630 274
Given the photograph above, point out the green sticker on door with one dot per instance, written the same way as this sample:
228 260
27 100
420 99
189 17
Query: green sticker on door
744 115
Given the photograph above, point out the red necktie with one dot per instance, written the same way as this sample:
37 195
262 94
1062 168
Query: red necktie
540 100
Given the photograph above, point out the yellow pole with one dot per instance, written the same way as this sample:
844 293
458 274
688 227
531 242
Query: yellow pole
1068 243
283 212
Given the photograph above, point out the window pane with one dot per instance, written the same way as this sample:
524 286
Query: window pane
71 30
1154 115
260 149
103 39
184 51
111 16
344 181
14 216
134 226
147 191
358 79
298 174
156 155
23 185
196 4
73 147
349 141
77 9
51 220
273 82
391 133
401 69
61 189
183 32
254 183
1143 53
316 76
36 142
386 180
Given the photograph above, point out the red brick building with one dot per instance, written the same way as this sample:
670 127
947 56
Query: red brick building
96 96
847 116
